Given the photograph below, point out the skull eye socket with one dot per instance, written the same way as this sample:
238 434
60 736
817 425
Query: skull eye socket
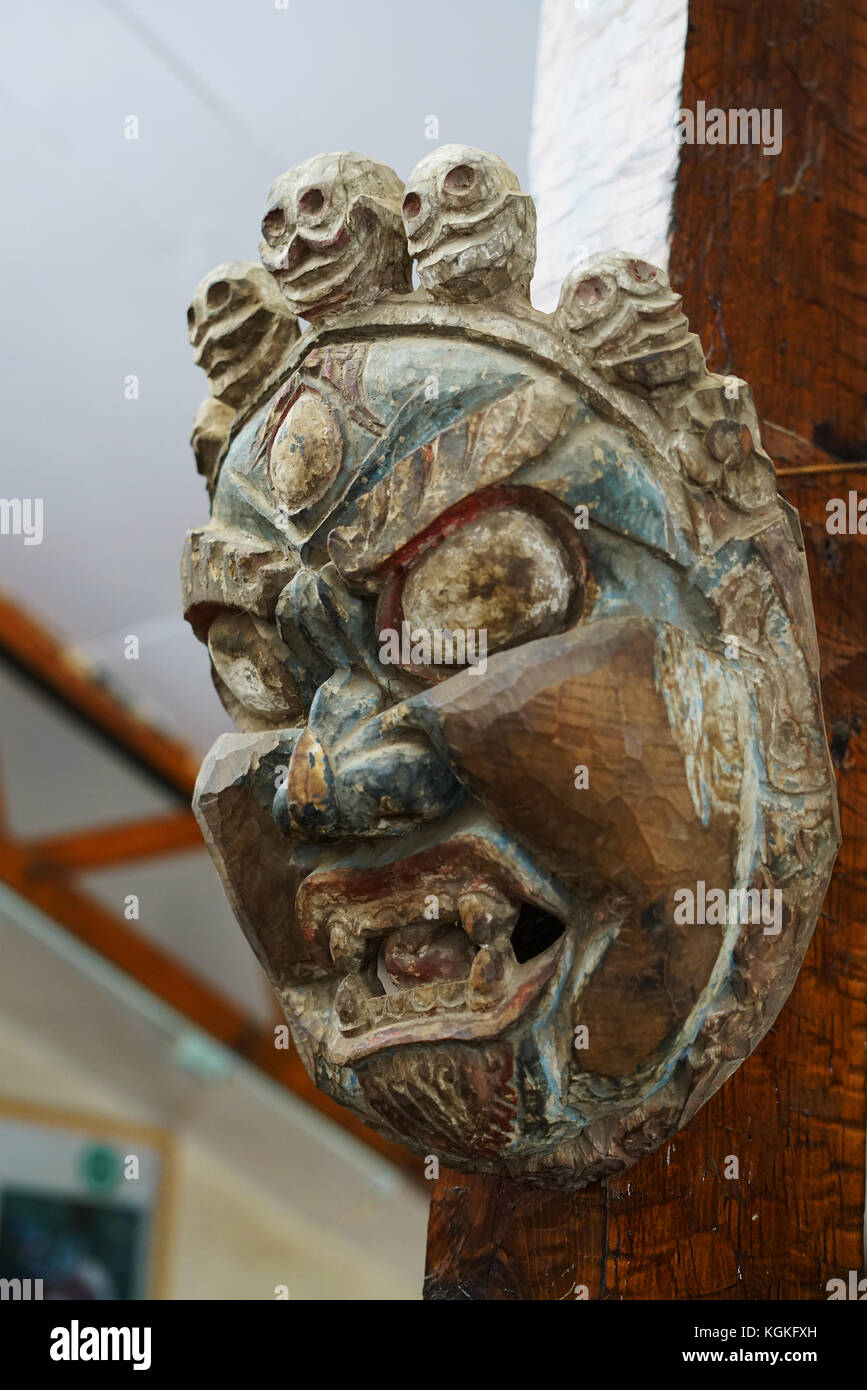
411 205
642 271
460 179
273 225
218 294
590 292
191 318
312 200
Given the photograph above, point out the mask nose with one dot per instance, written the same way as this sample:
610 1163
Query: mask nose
358 770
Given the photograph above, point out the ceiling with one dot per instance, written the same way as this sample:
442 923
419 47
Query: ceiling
107 238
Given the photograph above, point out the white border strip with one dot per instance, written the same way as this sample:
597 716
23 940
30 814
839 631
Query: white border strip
603 153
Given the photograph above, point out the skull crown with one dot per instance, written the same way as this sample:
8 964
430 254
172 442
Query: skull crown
340 234
240 332
340 231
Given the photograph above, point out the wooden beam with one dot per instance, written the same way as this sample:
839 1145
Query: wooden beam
99 846
81 691
797 457
769 254
168 979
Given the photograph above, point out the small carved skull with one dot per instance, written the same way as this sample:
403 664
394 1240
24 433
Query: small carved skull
239 329
471 229
622 312
333 236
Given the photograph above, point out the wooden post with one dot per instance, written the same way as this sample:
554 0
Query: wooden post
770 254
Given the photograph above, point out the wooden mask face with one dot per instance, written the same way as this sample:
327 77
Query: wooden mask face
531 813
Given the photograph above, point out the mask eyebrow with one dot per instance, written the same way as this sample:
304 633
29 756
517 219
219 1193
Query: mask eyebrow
416 422
476 451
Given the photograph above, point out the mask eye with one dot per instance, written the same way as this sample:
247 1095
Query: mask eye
500 580
249 672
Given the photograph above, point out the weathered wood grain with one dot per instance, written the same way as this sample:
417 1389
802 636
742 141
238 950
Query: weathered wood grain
769 254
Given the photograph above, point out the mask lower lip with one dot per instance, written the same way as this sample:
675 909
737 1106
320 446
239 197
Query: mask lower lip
465 979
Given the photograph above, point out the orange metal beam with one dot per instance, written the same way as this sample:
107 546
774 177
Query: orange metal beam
64 676
167 978
113 844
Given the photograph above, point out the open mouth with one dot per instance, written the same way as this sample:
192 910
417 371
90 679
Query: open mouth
461 962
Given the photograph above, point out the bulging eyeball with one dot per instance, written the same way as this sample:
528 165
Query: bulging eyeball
469 226
332 235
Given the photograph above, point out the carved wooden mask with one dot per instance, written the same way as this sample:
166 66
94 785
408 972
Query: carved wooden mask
530 813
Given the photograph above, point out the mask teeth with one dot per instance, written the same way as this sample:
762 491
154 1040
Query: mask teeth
486 916
369 922
351 1002
348 951
420 1000
358 1009
487 977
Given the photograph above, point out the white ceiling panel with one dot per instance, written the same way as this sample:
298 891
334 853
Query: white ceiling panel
108 237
